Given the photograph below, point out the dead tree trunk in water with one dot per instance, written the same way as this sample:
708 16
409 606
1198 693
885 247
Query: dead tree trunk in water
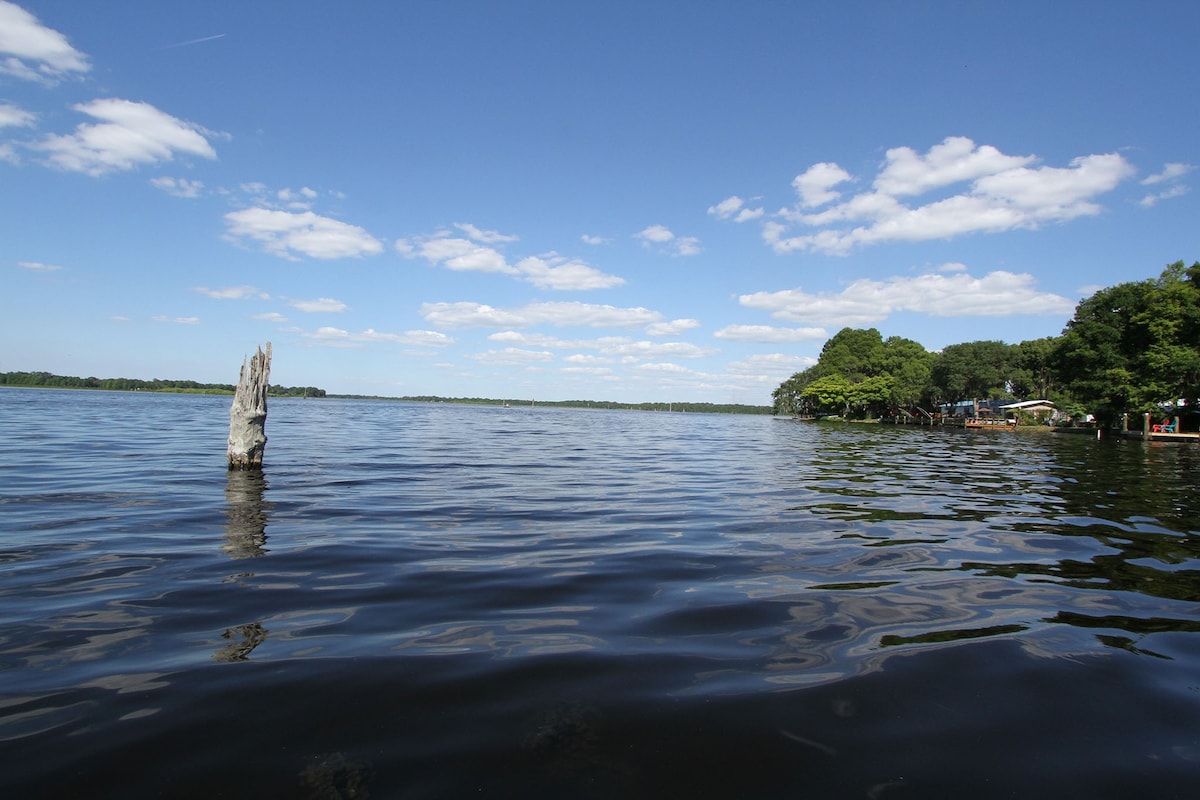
248 414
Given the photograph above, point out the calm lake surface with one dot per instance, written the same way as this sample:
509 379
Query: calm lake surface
442 601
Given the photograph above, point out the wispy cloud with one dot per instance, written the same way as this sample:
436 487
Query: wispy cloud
1002 193
177 320
336 337
128 135
769 334
178 187
232 293
38 266
288 234
321 305
31 51
1171 176
663 239
14 117
610 349
561 314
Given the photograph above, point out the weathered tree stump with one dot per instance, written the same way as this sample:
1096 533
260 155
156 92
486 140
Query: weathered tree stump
248 414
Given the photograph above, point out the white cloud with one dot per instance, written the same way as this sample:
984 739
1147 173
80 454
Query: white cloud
178 187
770 366
815 184
548 271
664 239
1004 193
1175 191
611 348
322 305
232 293
594 240
513 357
37 266
129 134
954 160
672 328
285 233
13 117
734 208
958 295
1171 171
178 320
770 334
468 314
31 51
486 237
336 337
270 316
556 272
1171 174
655 234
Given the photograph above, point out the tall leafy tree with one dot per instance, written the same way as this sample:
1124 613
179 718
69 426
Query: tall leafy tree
1135 346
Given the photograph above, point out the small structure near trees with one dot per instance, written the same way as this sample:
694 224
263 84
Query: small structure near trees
248 414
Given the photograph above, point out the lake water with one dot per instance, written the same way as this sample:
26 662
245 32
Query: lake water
442 601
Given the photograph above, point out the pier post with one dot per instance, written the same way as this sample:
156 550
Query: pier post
1146 425
248 414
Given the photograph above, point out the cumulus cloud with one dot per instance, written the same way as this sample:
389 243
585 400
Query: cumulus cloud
31 51
867 301
38 266
662 238
1001 193
734 208
475 254
178 187
594 240
336 337
322 305
128 135
286 234
232 293
562 314
815 184
770 334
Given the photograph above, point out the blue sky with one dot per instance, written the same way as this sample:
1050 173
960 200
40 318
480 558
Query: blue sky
632 201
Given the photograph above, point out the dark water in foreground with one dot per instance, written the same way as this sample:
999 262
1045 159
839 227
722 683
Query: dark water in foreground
431 601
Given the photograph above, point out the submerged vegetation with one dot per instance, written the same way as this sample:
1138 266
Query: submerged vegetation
1134 347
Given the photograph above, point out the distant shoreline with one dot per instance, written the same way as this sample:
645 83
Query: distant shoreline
50 381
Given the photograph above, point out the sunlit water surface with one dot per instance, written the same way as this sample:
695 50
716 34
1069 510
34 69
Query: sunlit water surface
434 601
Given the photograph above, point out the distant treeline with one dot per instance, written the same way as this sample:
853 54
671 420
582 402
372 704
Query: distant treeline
46 379
699 408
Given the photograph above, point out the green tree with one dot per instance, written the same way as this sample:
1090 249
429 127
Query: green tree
830 394
1135 346
971 370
